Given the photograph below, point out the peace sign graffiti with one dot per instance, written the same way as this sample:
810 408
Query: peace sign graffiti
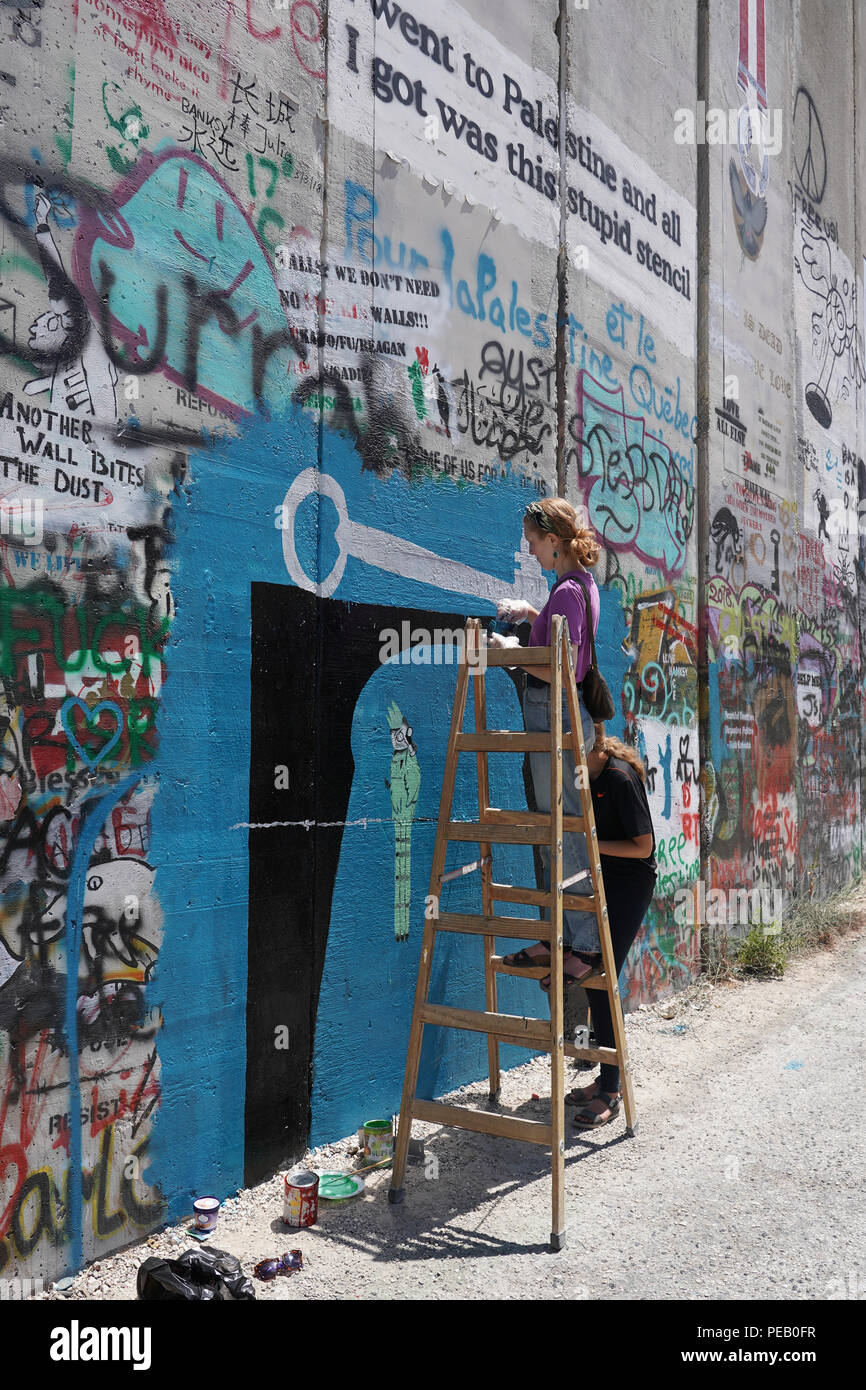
810 152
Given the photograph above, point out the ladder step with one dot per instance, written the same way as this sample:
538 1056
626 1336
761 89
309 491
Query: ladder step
534 1030
495 816
528 831
532 972
474 924
593 1054
598 981
503 741
516 656
483 1121
588 1054
538 897
538 972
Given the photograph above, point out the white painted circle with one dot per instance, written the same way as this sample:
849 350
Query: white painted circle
306 483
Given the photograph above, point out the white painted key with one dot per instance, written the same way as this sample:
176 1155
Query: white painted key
396 555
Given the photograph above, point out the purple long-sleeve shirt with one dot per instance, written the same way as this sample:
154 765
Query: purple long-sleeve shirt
564 599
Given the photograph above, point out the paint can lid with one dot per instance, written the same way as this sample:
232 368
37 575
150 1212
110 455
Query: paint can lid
302 1177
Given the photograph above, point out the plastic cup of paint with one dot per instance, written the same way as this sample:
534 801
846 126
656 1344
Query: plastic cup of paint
206 1209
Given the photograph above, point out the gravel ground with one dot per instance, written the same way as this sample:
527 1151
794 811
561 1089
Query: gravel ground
742 1181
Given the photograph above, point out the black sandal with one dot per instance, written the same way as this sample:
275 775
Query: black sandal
591 1119
568 981
522 960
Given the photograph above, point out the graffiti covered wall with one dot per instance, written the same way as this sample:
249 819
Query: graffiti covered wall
300 305
785 442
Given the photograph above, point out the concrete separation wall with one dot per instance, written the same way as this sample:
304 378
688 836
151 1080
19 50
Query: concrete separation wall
300 305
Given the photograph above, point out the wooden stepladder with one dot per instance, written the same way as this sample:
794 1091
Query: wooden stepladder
496 826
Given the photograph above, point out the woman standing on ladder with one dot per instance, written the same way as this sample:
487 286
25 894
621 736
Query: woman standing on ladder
559 542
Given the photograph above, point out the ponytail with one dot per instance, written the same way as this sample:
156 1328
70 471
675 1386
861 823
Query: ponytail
615 748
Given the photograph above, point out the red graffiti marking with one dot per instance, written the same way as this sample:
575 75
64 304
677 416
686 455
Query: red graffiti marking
131 831
153 21
30 1110
775 826
265 36
268 36
124 1104
298 31
675 623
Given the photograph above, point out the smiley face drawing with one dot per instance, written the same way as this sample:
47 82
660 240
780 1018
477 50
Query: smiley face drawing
177 233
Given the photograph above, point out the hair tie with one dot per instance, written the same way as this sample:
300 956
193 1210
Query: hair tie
536 514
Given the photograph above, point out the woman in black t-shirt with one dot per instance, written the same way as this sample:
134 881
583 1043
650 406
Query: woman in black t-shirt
626 845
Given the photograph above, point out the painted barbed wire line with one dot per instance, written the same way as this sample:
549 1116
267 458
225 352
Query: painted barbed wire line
637 497
404 785
835 335
363 822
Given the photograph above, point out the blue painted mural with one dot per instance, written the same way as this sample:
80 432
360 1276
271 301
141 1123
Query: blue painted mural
285 356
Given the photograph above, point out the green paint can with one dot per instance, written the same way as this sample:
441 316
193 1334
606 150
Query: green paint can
378 1141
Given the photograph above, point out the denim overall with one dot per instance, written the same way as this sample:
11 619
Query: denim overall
580 929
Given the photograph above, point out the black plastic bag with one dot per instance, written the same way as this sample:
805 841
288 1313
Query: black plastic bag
206 1273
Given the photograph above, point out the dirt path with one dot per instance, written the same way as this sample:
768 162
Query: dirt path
745 1179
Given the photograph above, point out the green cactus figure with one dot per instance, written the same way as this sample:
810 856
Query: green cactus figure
404 786
417 380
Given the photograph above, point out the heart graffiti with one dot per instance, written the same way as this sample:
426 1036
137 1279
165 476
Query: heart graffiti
92 716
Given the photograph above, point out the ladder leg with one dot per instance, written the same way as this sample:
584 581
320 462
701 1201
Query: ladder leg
479 695
491 1005
413 1058
622 1057
628 1099
601 912
416 1032
557 1055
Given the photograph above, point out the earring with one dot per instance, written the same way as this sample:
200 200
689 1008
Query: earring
556 554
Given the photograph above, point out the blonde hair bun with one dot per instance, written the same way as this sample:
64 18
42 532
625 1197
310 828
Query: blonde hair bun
565 523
